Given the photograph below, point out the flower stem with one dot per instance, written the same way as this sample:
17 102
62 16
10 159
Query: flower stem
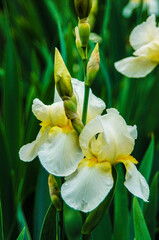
60 223
86 95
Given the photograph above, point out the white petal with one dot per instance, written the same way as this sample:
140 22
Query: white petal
85 189
128 9
135 182
135 67
132 131
61 153
149 51
95 105
153 7
144 33
40 110
89 131
118 140
57 98
29 151
57 114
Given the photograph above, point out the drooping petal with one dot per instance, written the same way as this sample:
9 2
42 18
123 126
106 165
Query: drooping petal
95 105
61 153
135 182
144 33
135 67
40 110
29 151
85 189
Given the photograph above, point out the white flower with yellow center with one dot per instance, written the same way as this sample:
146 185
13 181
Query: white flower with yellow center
151 5
145 41
57 143
105 141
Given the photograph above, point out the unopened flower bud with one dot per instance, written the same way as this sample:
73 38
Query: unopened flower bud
62 76
92 66
54 193
84 31
83 8
81 51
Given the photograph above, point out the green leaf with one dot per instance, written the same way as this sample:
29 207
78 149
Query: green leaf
141 231
103 229
150 209
121 212
96 215
1 223
146 164
22 221
48 230
21 236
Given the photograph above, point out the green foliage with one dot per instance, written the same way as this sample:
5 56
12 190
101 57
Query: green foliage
141 230
29 32
48 230
21 235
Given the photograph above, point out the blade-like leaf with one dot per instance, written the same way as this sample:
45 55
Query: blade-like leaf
1 224
21 236
96 215
22 221
146 164
141 231
150 209
121 212
48 230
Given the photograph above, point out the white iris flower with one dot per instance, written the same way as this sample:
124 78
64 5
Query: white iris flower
151 5
57 143
145 41
105 141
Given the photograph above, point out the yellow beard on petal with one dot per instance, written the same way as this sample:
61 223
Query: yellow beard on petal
139 1
65 129
125 158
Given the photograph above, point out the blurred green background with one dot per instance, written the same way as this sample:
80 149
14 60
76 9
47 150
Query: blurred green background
29 32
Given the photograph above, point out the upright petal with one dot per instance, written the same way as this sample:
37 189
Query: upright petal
118 139
144 33
135 182
85 189
61 153
135 67
89 131
40 110
95 106
29 151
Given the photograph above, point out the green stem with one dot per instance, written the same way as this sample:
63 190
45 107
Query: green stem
84 236
61 228
85 104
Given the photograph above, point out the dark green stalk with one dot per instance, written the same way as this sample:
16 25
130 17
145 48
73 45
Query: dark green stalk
86 95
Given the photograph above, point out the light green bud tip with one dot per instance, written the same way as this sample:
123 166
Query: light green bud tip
54 193
62 76
83 8
92 66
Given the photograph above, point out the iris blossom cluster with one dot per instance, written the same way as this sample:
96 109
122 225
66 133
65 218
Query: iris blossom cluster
85 160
